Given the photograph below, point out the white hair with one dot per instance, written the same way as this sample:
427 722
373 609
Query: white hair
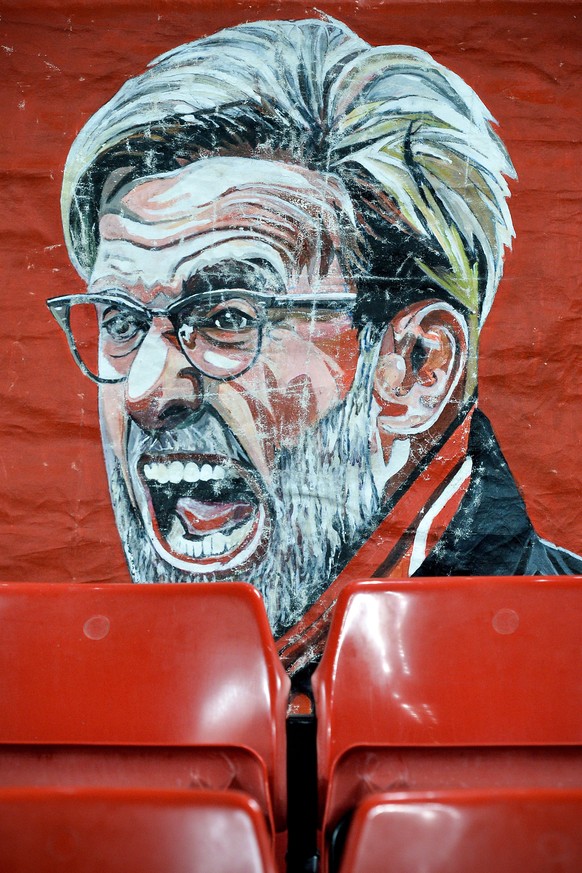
390 116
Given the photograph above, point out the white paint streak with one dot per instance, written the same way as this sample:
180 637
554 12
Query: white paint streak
220 361
399 455
148 366
419 548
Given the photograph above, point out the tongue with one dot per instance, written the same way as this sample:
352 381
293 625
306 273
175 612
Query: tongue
201 517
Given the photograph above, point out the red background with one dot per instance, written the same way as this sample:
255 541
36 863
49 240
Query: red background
61 60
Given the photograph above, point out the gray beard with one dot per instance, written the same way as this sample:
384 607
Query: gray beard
324 495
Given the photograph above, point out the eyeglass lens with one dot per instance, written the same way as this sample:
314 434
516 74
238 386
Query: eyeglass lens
221 342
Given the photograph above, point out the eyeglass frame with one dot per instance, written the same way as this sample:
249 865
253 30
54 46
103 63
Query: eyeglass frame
60 308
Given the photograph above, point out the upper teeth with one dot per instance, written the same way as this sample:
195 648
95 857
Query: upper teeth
177 471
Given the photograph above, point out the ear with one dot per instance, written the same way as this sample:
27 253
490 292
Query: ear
421 368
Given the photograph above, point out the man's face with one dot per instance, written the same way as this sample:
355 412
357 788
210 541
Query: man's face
198 446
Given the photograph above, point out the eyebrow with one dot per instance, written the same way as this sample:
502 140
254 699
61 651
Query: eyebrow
251 275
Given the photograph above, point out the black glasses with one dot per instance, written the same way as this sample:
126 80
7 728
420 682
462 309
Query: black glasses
220 332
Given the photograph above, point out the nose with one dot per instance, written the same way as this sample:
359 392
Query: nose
163 388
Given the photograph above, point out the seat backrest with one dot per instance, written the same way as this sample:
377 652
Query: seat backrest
154 767
120 831
533 830
365 770
453 662
142 665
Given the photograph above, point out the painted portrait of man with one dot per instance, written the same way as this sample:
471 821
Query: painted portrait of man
289 241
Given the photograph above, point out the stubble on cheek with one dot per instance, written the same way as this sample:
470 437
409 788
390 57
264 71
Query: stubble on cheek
296 382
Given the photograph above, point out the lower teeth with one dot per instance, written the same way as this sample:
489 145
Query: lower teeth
210 546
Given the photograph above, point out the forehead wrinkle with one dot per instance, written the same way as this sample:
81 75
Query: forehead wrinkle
114 268
293 227
307 210
307 224
302 199
138 239
282 193
212 176
260 206
116 265
227 250
149 275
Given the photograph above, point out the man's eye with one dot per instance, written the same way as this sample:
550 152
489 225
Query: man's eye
123 326
230 319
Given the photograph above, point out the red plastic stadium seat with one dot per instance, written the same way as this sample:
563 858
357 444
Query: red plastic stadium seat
152 685
115 831
438 683
519 831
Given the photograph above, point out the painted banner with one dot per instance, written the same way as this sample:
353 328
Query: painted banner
291 296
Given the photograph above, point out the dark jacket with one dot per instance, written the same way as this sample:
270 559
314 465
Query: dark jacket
491 534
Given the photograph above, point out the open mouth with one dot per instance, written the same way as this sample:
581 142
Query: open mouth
206 510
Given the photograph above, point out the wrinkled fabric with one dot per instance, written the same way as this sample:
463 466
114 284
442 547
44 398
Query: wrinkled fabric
491 534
